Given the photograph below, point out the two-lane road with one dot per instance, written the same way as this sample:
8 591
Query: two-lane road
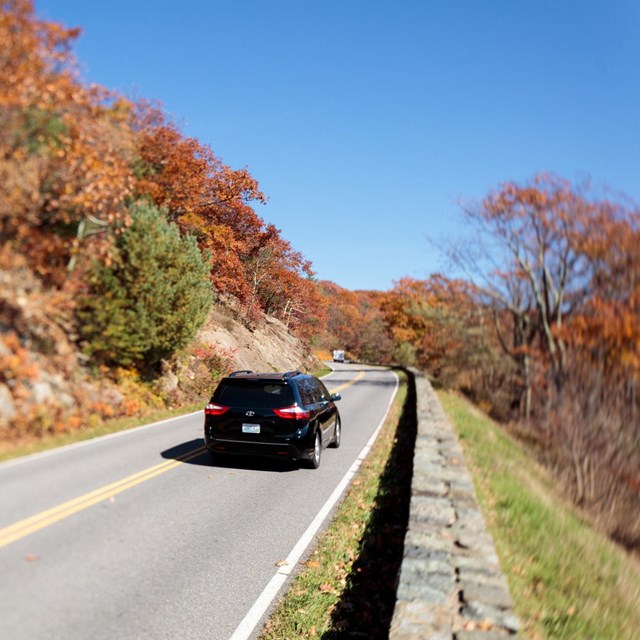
139 535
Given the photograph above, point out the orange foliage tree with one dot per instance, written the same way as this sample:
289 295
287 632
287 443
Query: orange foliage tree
565 296
73 159
439 324
432 316
539 271
251 259
64 153
609 320
355 324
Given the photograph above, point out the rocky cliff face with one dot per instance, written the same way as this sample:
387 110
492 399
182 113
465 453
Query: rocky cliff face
48 386
225 343
40 366
267 347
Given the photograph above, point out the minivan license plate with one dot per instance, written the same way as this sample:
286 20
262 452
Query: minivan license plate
250 428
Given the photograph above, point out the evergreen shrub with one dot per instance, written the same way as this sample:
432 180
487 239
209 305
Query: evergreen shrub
152 297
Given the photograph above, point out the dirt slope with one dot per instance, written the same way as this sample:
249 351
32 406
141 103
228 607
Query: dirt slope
268 347
47 386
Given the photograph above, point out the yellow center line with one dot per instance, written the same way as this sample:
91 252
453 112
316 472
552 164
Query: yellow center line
38 521
34 523
348 384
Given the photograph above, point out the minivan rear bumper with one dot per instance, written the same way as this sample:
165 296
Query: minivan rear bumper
286 450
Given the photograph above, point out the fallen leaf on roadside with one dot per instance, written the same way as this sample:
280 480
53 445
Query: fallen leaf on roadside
31 557
281 563
312 564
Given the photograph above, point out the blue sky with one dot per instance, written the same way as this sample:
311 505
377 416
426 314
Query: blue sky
367 122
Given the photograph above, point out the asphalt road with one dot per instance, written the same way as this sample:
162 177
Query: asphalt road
139 535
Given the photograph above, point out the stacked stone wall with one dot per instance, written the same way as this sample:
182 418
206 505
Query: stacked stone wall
451 586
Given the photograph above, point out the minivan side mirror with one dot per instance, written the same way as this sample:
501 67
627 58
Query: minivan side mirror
336 396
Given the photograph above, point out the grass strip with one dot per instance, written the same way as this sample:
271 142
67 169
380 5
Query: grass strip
33 444
322 371
567 580
347 587
26 446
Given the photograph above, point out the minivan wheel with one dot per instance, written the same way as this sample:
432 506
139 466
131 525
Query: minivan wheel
314 462
337 436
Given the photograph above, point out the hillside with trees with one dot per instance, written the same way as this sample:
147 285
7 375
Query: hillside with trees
119 236
126 246
542 333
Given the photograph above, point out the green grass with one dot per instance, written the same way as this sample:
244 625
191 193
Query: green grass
347 585
566 579
321 371
35 445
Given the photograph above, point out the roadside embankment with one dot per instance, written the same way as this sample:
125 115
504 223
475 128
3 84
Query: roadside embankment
451 585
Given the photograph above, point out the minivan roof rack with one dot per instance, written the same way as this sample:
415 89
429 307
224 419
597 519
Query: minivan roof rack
290 374
237 373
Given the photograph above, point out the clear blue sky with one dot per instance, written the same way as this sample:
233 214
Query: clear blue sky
366 121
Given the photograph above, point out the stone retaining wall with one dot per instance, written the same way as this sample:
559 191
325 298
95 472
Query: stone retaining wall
451 585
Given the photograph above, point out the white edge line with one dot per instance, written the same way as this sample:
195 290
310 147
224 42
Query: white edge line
88 441
83 443
260 606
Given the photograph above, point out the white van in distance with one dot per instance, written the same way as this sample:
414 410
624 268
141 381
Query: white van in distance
338 356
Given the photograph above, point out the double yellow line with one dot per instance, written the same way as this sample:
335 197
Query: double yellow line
348 384
34 523
43 519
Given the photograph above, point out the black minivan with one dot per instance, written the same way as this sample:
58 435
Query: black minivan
288 415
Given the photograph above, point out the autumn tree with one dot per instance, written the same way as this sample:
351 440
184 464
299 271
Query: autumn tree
539 272
609 319
64 150
564 291
354 323
343 317
594 426
202 196
433 316
370 337
74 158
277 272
441 325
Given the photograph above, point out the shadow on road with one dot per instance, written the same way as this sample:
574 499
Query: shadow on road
205 459
367 603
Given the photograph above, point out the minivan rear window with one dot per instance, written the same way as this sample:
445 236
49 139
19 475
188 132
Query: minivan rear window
254 393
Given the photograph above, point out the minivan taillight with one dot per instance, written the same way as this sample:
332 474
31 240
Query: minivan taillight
294 412
215 409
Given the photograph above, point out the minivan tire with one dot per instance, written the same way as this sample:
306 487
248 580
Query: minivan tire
314 461
335 443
